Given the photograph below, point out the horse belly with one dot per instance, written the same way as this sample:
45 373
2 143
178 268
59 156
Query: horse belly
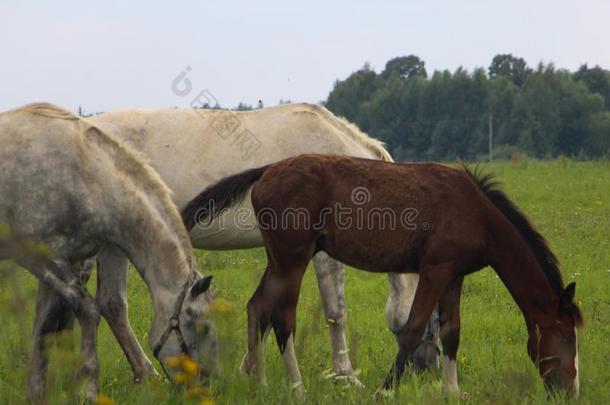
372 253
235 228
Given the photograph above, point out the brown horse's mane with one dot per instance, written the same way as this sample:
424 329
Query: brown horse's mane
536 242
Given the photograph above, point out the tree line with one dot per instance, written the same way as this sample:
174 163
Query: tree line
541 112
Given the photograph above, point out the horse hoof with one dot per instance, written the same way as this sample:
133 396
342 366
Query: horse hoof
350 379
298 390
91 394
451 391
382 393
245 368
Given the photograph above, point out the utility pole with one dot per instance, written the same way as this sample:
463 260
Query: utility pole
491 135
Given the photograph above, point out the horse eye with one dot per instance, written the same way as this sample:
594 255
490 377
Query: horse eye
190 313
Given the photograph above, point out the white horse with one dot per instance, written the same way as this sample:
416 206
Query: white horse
77 191
192 149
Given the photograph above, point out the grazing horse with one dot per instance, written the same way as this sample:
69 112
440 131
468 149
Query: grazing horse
192 149
440 222
77 191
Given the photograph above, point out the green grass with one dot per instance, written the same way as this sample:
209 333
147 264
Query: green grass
568 201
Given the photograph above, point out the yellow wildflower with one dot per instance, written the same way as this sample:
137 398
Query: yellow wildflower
189 366
197 392
173 362
220 306
182 378
103 400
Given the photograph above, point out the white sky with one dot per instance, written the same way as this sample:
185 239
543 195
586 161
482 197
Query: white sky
106 55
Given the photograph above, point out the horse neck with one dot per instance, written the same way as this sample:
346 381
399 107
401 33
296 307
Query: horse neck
143 220
157 254
519 270
145 232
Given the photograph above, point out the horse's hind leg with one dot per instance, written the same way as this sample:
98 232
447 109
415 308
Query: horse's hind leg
248 362
282 287
274 302
259 318
53 316
449 309
60 278
331 284
51 313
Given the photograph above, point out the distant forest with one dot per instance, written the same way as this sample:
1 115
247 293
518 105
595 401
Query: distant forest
540 112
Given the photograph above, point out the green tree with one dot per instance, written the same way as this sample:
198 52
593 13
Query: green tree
543 112
348 95
597 81
511 67
597 142
406 67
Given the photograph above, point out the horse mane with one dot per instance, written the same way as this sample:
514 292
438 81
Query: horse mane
345 127
128 161
48 110
134 164
534 240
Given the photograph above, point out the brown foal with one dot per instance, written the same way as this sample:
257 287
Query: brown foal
440 222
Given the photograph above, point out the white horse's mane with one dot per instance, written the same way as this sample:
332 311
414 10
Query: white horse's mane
128 161
346 127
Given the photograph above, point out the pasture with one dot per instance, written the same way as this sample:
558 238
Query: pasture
568 201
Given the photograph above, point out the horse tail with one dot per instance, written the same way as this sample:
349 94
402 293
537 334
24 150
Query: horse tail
227 192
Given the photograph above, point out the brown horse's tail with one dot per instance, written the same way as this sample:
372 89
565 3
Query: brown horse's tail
224 194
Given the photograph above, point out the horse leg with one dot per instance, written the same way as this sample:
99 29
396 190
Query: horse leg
287 286
433 282
52 313
111 297
398 307
53 316
248 362
329 273
59 277
89 319
449 308
259 318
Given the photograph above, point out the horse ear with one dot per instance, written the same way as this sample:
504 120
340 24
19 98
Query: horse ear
201 286
567 296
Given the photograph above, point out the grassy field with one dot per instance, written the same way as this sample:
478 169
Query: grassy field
569 202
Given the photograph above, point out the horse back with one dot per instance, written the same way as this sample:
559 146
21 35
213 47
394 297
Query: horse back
374 215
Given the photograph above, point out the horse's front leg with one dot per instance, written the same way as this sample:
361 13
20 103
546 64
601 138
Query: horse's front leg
111 298
331 284
449 308
433 282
